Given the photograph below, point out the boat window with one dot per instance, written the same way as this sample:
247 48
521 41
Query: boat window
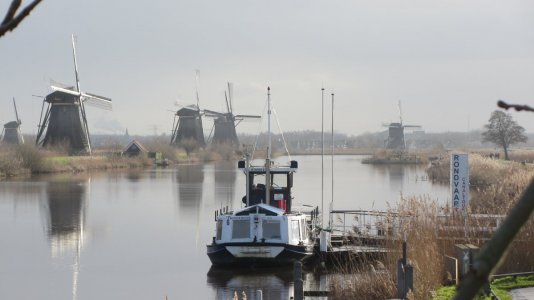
280 180
241 229
271 229
219 229
295 230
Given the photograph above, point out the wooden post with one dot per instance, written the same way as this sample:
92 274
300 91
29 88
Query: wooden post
299 285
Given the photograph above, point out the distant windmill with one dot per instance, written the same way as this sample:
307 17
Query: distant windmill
65 120
187 123
12 133
395 138
224 124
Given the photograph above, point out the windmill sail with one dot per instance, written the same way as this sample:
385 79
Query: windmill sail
187 123
65 120
224 124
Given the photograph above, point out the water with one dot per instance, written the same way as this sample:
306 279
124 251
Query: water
142 234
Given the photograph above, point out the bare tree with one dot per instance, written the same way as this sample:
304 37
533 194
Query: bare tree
502 130
12 19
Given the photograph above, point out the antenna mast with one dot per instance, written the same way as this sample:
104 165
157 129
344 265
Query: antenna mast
332 203
322 155
268 160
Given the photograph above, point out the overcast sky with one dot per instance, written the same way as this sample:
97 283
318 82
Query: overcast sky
448 62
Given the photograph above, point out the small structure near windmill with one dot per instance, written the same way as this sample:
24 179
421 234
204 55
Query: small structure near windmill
224 124
135 148
395 138
11 134
65 120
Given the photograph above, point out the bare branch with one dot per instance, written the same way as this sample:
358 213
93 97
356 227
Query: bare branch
11 21
12 11
517 107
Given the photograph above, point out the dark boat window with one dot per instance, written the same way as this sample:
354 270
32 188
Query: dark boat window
219 229
271 229
241 229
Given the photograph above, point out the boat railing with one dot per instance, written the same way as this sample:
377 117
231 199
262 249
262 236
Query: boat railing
221 211
371 223
366 223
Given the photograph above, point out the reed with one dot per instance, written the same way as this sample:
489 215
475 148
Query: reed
432 231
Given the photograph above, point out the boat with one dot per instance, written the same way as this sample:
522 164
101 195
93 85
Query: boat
267 231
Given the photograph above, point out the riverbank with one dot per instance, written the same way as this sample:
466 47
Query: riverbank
25 160
497 185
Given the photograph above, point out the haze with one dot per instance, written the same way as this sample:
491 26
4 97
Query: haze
447 61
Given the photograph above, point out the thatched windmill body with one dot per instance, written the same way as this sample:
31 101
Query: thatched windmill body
65 120
224 124
12 133
187 126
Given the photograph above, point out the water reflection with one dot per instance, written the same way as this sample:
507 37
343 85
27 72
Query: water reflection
398 176
225 177
65 221
190 180
250 283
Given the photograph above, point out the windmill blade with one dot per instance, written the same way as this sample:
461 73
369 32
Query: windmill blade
227 105
96 101
211 113
16 113
248 116
64 90
61 85
197 75
75 63
231 97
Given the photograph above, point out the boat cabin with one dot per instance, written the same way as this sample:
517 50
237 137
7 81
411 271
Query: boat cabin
279 191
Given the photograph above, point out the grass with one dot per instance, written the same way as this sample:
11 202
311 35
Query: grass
500 287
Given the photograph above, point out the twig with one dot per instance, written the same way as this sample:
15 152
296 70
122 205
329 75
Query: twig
517 107
12 20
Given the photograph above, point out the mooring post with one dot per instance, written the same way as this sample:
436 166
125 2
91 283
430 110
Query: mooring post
404 274
299 285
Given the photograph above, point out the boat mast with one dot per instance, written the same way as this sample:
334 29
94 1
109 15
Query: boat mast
322 156
268 160
247 173
332 203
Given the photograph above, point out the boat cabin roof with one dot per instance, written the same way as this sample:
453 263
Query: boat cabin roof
261 209
275 169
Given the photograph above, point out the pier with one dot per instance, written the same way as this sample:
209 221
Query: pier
366 234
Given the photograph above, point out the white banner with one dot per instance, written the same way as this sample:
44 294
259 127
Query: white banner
460 181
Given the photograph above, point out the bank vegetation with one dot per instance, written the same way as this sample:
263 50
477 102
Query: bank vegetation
432 230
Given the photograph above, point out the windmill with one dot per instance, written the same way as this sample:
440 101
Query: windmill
65 119
187 123
12 133
224 124
395 138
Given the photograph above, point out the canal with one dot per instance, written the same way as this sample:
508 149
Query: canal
141 234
